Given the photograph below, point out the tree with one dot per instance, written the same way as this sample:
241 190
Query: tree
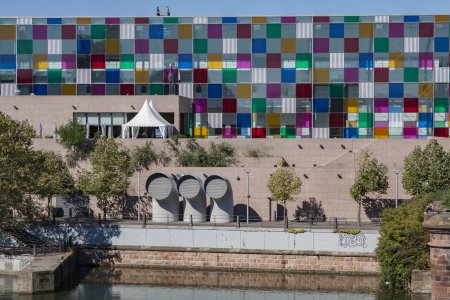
109 177
371 180
284 184
72 135
426 170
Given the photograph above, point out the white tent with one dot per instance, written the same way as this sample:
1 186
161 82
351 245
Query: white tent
147 116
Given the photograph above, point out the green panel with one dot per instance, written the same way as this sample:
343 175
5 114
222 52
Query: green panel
127 61
24 47
351 19
440 105
274 31
411 74
303 60
440 124
54 76
170 20
98 32
365 120
190 124
288 133
156 89
229 75
336 90
200 46
258 105
381 44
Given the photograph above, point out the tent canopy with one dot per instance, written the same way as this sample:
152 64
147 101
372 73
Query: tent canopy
148 116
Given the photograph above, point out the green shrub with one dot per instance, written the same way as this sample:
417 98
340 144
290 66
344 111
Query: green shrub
257 152
295 231
444 197
402 246
72 135
347 231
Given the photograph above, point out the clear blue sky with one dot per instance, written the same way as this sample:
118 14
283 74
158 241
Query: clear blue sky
220 7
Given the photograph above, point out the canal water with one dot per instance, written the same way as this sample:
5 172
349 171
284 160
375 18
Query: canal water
157 284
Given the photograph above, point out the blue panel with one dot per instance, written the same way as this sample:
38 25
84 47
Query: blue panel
395 109
244 120
112 76
83 46
185 61
441 44
425 120
7 61
156 31
214 91
227 20
411 19
259 45
321 105
366 60
54 21
351 132
288 75
40 89
336 30
395 90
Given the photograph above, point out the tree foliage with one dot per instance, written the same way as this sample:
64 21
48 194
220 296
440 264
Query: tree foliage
402 246
146 155
284 184
72 135
109 176
427 170
192 154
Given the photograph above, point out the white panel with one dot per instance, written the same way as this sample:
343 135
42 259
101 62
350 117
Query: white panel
24 21
54 46
127 31
410 117
423 131
288 105
215 120
200 20
8 89
186 90
321 133
352 117
366 90
288 64
229 46
105 119
363 131
156 61
304 30
259 75
395 119
55 65
441 74
381 116
337 60
84 76
439 117
395 131
381 63
118 119
412 44
381 19
229 64
304 131
92 118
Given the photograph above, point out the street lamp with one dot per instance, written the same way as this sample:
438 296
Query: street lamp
396 189
248 194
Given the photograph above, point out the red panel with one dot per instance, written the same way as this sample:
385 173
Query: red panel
229 106
274 60
336 120
381 74
411 105
200 75
98 61
171 46
426 30
244 31
304 90
320 19
351 45
259 133
68 32
127 89
24 76
441 132
141 20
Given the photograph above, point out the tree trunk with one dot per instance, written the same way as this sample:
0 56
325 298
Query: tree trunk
284 210
359 213
49 199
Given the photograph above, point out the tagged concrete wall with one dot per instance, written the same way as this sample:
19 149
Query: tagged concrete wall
14 264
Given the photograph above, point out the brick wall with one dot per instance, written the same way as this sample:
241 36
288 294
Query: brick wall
440 265
226 260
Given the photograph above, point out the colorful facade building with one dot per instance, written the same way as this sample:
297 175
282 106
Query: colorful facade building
250 77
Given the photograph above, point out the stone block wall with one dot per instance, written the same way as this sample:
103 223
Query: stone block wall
440 264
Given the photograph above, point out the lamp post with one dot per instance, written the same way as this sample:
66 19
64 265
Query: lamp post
139 194
248 194
396 189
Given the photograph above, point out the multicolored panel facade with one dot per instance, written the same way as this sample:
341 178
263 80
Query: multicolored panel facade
248 77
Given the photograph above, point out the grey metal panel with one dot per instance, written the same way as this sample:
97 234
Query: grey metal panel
160 188
216 188
189 188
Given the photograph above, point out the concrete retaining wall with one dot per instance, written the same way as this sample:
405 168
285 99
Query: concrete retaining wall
14 264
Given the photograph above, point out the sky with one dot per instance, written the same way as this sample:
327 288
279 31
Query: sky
59 8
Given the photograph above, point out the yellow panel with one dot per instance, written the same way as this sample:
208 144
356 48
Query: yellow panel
321 75
40 62
112 46
381 133
365 30
395 60
425 90
83 20
69 89
142 76
201 132
273 120
351 105
185 31
441 19
261 20
244 90
288 46
7 32
214 61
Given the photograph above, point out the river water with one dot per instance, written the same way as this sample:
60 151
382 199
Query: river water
154 284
